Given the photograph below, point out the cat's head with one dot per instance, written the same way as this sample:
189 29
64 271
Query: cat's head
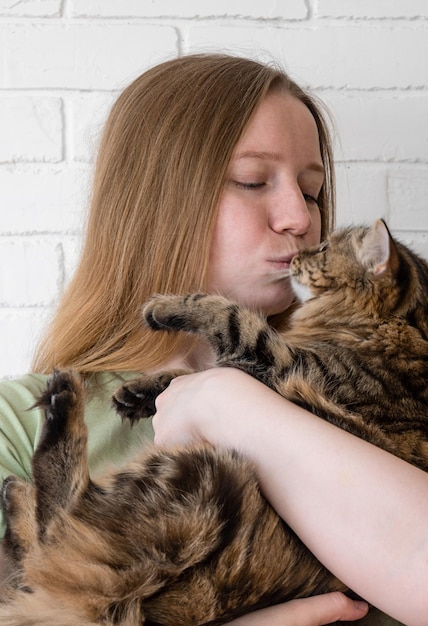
362 265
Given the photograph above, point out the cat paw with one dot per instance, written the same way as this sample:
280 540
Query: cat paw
16 495
18 506
10 483
61 396
163 312
134 402
135 399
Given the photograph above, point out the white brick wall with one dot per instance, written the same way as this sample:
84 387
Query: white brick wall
62 63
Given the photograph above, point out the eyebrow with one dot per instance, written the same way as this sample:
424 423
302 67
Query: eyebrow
272 156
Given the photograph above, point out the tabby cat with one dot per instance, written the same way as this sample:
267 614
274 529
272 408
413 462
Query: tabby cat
184 537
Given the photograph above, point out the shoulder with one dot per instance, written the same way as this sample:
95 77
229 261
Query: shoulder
21 393
17 397
20 424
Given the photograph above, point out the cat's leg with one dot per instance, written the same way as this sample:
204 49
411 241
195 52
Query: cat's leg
135 399
60 470
239 337
18 505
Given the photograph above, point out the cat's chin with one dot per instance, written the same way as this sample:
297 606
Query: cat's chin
302 292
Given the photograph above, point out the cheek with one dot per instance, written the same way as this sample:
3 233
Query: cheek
235 230
222 242
224 248
230 249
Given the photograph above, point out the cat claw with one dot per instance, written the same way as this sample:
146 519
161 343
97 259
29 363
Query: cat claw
132 403
60 395
135 399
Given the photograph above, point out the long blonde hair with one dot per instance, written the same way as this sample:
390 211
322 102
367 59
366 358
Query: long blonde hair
160 170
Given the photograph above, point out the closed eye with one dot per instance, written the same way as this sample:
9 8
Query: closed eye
249 186
310 198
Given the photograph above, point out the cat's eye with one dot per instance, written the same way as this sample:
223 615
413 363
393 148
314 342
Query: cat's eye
323 246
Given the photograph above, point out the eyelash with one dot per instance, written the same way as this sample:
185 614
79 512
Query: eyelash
248 186
310 198
256 186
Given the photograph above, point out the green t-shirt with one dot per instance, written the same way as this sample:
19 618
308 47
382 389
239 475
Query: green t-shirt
110 442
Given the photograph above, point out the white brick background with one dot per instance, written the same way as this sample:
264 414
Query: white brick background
62 62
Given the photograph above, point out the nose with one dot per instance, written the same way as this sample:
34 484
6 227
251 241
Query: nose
289 211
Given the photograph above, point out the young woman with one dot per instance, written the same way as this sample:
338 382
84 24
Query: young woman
212 172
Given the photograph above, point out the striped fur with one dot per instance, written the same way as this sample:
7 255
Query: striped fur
185 537
356 350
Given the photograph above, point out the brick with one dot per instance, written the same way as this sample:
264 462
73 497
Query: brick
30 129
80 56
361 197
42 199
88 115
407 192
370 9
380 126
291 9
21 330
30 271
30 8
349 56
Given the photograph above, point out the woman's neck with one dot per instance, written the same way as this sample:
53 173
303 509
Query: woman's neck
195 356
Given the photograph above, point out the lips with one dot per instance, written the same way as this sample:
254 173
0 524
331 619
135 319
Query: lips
283 261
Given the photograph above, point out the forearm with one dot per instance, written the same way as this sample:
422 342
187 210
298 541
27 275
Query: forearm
355 489
363 512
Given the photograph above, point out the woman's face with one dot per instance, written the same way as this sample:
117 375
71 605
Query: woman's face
268 210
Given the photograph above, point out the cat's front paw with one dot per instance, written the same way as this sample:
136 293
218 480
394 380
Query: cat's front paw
18 505
11 489
163 312
135 399
61 396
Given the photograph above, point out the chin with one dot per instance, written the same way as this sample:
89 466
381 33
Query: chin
269 308
267 300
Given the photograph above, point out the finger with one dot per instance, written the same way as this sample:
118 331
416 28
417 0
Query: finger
325 609
315 611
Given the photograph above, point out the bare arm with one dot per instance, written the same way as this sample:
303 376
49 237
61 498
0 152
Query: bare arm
363 512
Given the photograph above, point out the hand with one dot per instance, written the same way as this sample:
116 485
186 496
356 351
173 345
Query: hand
315 611
214 405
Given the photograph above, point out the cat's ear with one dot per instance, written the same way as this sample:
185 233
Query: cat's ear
379 251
